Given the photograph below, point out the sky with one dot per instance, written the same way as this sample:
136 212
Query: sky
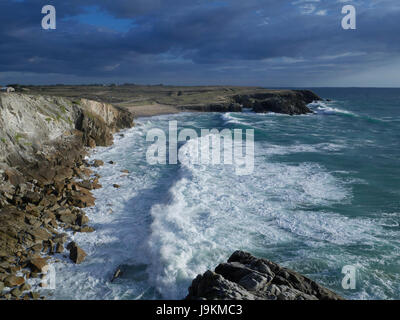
270 43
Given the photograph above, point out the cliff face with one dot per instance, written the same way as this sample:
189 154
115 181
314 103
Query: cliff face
30 123
245 277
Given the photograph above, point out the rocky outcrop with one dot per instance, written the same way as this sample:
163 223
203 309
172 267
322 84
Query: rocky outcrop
76 254
43 142
245 277
292 102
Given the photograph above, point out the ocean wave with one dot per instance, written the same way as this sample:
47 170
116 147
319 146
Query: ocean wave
179 221
272 149
321 107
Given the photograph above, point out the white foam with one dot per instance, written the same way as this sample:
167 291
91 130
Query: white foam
325 108
180 221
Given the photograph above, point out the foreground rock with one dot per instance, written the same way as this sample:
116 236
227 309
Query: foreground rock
245 277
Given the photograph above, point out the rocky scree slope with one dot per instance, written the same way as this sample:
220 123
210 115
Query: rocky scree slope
245 277
43 141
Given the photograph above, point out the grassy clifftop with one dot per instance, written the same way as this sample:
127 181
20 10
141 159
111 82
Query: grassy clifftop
168 99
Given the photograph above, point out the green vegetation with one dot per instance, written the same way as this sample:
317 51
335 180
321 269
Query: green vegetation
136 95
3 140
63 109
17 137
48 120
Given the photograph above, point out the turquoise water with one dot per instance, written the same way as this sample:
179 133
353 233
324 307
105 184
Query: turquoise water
324 194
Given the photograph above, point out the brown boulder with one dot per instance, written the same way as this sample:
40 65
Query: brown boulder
35 295
16 292
12 281
76 254
32 197
82 220
14 177
39 265
86 229
87 184
25 287
66 216
62 174
98 163
91 143
59 248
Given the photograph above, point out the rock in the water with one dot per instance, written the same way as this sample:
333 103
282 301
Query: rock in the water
39 265
117 274
245 277
82 220
59 248
76 254
98 163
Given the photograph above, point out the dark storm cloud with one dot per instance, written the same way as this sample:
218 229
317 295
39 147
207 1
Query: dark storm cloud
275 43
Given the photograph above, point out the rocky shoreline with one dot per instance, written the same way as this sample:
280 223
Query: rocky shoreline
245 277
43 188
291 102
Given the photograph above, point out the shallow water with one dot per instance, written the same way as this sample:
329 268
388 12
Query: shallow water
324 194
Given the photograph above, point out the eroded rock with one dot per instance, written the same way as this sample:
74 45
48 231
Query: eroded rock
76 254
245 277
12 281
39 265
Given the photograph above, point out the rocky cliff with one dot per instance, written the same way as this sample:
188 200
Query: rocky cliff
292 102
43 141
245 277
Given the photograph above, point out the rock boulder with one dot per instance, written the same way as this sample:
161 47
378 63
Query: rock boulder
245 277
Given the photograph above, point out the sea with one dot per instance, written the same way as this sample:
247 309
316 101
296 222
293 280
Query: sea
323 197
